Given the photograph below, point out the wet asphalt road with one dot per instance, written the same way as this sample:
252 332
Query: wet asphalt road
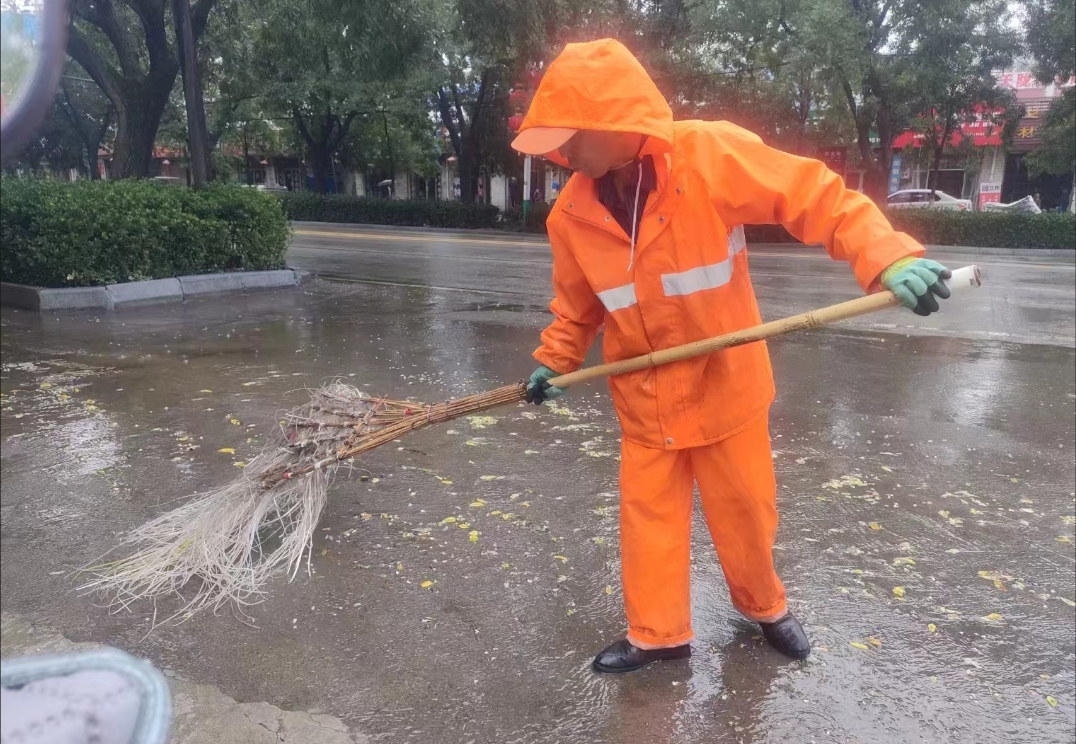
936 464
1026 298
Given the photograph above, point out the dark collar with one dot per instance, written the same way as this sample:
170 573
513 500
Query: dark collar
607 193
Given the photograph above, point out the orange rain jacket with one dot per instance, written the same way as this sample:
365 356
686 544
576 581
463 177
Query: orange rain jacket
689 278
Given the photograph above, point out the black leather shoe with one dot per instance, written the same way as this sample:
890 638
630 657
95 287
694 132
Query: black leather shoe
624 657
787 636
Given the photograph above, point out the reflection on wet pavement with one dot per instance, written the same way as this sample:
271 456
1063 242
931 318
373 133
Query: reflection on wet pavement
464 577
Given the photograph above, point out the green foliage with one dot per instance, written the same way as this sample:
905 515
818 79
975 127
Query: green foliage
536 217
987 229
1051 37
1057 153
934 227
58 234
362 210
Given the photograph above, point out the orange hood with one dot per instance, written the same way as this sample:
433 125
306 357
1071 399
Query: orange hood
599 85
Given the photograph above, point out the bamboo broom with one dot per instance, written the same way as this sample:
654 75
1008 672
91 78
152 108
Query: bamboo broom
230 541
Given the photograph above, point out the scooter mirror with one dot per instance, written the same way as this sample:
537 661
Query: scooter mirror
33 36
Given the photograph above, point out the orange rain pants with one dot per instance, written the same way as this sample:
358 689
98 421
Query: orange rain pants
738 489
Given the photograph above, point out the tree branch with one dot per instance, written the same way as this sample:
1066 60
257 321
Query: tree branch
446 119
200 17
80 50
102 14
342 130
300 123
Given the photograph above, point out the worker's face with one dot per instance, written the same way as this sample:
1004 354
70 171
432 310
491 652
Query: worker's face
595 153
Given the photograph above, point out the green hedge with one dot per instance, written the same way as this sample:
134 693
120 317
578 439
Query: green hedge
934 227
60 234
987 229
364 210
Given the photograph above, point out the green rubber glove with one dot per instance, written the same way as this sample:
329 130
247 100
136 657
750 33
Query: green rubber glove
915 281
538 388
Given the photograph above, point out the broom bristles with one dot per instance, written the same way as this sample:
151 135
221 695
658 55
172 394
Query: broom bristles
230 541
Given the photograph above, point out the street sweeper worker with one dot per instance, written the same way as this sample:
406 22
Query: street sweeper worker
648 241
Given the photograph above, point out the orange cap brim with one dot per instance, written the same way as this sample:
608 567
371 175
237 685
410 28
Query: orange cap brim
542 140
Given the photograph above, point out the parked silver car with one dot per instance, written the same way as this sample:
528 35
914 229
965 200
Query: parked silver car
921 199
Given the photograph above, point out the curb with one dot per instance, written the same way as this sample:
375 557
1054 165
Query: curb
489 231
116 296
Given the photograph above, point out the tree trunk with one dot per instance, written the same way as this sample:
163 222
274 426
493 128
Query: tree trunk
192 92
321 165
939 150
136 131
392 156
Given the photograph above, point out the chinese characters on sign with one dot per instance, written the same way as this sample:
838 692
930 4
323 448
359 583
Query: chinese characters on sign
835 158
989 192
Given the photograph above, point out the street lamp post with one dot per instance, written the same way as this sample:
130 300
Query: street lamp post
526 187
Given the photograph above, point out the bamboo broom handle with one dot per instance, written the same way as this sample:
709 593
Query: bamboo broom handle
968 276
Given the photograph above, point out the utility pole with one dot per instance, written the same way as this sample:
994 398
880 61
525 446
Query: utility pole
526 187
192 91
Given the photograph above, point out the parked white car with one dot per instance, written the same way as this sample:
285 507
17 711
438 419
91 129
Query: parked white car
920 199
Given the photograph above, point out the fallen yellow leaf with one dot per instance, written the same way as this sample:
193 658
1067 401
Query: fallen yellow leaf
608 589
874 642
399 566
904 561
598 540
898 591
426 584
1067 601
507 515
227 450
561 558
874 525
495 512
994 616
205 391
1063 539
473 536
234 421
861 646
463 525
887 469
491 477
1051 700
932 627
944 513
478 503
46 384
448 520
366 517
239 464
